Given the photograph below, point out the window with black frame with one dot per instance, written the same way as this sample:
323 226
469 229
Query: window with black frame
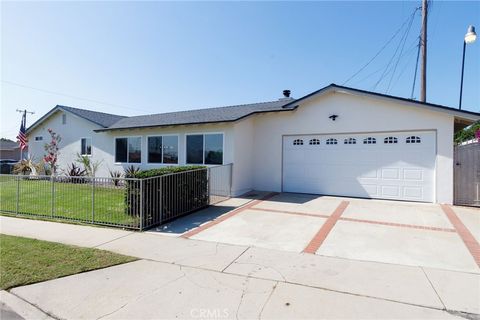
170 149
154 149
86 146
128 150
213 149
163 149
205 149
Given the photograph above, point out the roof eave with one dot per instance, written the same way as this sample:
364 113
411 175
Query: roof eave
458 114
194 123
51 112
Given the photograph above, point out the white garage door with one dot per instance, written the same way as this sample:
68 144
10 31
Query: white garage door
382 165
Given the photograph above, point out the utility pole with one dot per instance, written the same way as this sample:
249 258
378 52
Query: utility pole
25 111
423 44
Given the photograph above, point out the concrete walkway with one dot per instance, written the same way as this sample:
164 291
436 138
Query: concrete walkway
185 278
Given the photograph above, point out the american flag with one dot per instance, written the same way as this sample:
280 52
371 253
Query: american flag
22 138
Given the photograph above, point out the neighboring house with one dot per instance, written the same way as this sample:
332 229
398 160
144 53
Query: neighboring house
334 141
11 150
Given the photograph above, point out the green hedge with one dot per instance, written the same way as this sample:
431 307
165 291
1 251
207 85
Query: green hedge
168 197
165 170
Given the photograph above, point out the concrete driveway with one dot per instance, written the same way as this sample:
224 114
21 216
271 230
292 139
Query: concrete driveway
188 278
406 233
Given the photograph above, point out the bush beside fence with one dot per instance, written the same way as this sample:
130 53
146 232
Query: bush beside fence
167 193
152 198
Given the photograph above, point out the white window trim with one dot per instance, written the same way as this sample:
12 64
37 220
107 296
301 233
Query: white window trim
115 150
164 135
203 153
91 146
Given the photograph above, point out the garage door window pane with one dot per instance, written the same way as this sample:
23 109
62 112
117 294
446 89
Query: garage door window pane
413 139
195 149
214 149
389 140
314 142
170 149
135 150
369 140
121 150
332 141
298 142
350 141
154 149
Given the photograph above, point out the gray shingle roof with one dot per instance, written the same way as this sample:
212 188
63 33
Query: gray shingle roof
103 119
210 115
8 145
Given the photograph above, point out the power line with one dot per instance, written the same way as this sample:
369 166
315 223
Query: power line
387 70
71 96
416 69
400 54
382 48
407 54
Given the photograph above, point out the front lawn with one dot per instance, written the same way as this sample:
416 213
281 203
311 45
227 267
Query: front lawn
24 261
70 201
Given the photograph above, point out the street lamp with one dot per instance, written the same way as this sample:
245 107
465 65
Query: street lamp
470 37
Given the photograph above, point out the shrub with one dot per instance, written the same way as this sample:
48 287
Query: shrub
131 172
27 166
90 166
115 175
172 195
165 170
75 174
467 133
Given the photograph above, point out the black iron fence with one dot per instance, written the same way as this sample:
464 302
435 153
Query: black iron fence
121 202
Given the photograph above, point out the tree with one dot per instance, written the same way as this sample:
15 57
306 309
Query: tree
51 149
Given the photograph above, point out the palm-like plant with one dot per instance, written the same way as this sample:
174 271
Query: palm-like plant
131 172
90 166
27 166
115 175
75 174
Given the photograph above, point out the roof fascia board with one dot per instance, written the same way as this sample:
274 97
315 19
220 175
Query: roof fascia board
52 112
458 114
461 114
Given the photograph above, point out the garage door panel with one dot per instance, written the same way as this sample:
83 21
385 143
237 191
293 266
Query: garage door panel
413 192
413 174
403 171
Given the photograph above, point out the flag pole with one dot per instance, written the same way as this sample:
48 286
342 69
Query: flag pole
24 122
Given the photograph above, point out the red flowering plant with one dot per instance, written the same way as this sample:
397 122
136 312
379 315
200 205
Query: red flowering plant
51 150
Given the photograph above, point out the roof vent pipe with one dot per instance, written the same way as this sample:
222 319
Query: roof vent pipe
286 93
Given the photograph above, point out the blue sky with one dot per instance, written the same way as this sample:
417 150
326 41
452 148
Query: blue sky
153 57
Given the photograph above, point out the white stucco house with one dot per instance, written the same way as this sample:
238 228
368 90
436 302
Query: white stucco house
334 141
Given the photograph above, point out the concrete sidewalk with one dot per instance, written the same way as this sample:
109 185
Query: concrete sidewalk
196 279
